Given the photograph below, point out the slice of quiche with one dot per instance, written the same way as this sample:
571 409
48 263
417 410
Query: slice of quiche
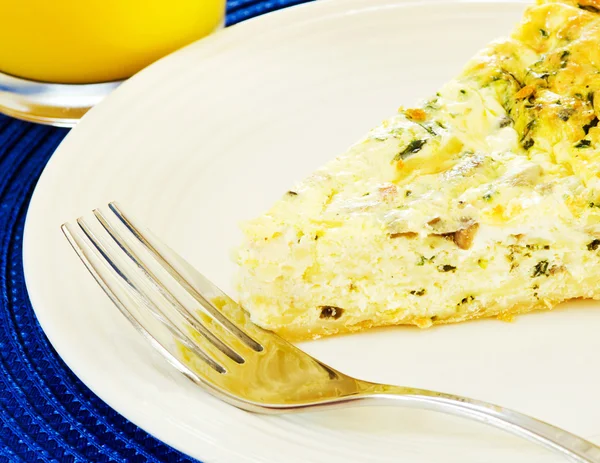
482 201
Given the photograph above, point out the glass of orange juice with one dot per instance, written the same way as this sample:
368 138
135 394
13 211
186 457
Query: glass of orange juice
60 57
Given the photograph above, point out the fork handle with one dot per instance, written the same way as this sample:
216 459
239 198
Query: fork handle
558 440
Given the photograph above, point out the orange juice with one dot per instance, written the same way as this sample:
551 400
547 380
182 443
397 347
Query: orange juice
85 41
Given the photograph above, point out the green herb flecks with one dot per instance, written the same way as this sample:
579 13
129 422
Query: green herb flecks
446 268
428 128
423 259
330 311
528 128
505 122
590 8
526 140
593 123
565 114
540 269
466 300
564 58
511 77
413 147
593 245
419 292
583 144
537 247
528 143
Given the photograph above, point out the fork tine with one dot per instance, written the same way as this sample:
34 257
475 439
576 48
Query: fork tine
101 253
206 304
83 251
168 295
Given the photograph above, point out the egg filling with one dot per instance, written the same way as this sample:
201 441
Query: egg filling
483 200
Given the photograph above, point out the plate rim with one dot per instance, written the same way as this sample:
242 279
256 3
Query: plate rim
288 16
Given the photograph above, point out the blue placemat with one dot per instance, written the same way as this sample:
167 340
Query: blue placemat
46 413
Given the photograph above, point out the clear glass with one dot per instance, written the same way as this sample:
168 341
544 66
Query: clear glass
59 58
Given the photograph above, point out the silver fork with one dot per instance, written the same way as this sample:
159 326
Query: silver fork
211 340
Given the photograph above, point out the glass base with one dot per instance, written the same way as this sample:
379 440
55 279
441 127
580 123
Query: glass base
46 103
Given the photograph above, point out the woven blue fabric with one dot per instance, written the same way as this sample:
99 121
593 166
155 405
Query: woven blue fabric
46 413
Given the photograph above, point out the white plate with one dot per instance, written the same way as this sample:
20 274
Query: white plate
213 134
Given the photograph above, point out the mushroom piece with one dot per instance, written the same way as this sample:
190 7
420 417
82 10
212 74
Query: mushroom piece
464 238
